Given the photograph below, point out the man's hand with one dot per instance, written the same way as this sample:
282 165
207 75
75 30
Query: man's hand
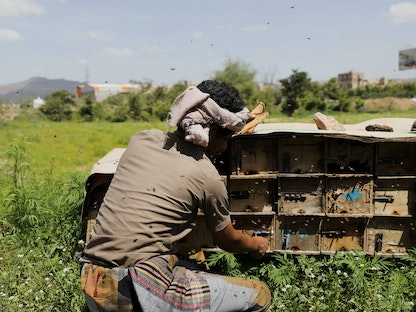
262 246
232 240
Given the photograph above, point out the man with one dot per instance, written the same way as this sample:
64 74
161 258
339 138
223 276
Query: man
162 179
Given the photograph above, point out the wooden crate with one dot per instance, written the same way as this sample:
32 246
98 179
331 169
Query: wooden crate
298 235
251 156
349 156
300 195
390 236
349 196
342 234
395 197
301 155
251 195
395 159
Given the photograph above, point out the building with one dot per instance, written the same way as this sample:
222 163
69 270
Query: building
352 80
38 102
105 90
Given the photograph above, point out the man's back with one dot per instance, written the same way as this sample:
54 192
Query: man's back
152 201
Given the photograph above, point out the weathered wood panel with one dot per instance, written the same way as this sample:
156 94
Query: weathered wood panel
298 196
349 196
300 155
298 234
250 156
251 195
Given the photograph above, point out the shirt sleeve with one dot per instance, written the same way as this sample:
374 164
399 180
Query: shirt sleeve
216 203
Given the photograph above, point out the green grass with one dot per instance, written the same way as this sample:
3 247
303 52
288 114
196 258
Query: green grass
67 146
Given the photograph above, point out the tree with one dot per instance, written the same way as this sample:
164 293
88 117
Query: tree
86 111
136 105
58 106
236 73
241 76
331 90
294 88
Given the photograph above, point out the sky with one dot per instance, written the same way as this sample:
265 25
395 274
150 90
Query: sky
165 41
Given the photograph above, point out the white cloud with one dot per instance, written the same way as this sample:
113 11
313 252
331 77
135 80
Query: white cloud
123 52
97 35
197 35
252 28
403 12
225 27
154 49
82 61
7 35
19 8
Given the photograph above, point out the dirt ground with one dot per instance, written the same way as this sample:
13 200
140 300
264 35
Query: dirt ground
389 103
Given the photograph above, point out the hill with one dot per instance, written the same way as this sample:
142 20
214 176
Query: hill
34 87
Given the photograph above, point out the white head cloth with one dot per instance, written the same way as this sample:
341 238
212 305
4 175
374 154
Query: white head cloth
194 111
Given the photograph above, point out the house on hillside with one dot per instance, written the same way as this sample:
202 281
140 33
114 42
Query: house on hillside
38 102
102 91
352 80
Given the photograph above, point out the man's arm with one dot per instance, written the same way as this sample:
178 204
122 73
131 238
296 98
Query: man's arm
234 241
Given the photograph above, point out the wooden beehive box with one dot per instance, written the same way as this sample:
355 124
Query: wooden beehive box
395 159
349 156
342 234
394 197
300 195
390 236
252 155
251 195
299 154
309 191
298 235
349 196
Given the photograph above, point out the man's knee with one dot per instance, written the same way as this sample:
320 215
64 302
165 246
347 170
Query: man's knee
261 296
264 296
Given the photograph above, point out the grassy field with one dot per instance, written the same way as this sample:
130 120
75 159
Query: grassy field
67 146
44 166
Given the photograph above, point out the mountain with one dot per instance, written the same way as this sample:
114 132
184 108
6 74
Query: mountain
34 87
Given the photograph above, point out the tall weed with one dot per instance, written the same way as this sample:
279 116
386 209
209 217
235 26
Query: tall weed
40 238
